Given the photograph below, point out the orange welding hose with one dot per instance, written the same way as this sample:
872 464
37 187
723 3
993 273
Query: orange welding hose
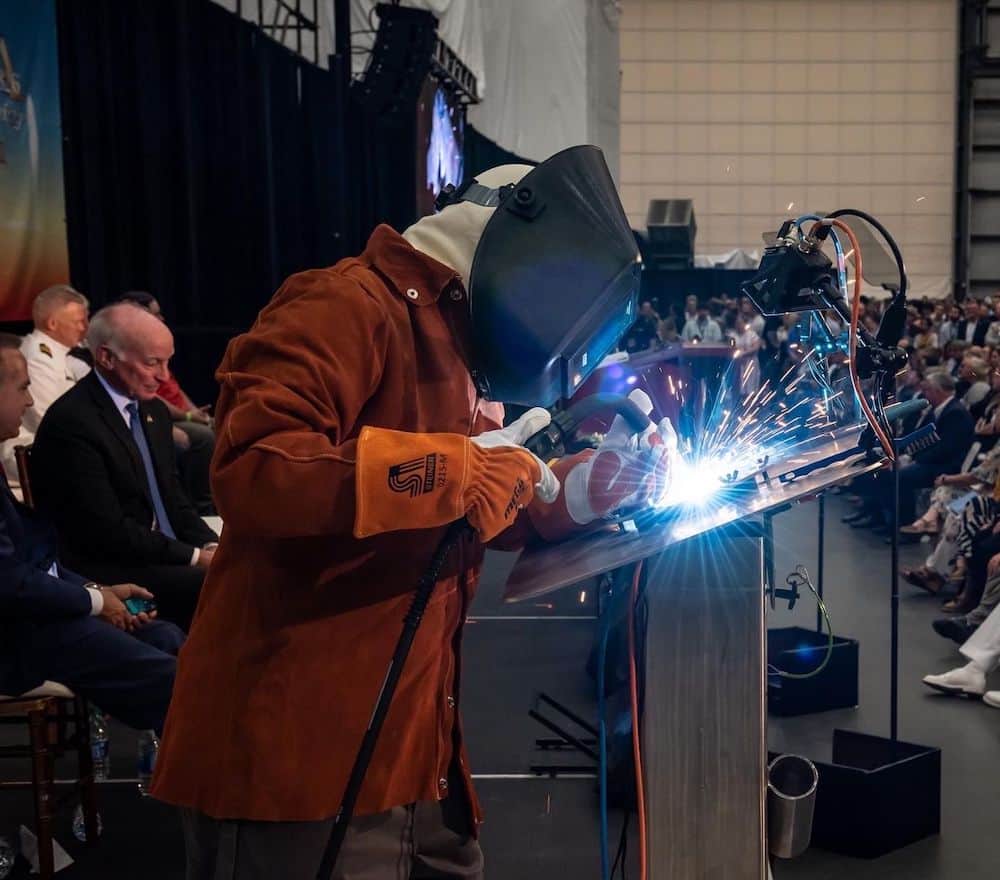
634 699
887 445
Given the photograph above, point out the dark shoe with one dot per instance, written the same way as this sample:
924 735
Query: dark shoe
865 522
952 628
930 581
961 604
852 518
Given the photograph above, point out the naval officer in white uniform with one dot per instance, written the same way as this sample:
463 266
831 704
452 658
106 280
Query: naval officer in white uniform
59 314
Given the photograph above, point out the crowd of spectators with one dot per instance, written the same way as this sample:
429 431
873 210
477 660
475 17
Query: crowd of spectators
724 320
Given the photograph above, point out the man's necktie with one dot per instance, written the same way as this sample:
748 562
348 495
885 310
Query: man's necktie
135 423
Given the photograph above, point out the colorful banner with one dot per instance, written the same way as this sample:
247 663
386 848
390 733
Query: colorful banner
32 211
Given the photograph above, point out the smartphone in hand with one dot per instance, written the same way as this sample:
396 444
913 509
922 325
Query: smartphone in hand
138 605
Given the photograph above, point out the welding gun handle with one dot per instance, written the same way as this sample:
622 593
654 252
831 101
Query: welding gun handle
637 420
550 442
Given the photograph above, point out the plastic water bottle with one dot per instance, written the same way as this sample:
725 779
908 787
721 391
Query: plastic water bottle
148 747
8 855
80 826
99 746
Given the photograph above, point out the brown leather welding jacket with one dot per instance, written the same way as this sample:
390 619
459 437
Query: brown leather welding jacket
297 618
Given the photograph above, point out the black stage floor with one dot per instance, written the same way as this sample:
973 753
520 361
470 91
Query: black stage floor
538 827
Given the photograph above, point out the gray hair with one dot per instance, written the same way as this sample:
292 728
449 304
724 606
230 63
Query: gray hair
106 331
50 300
942 380
978 366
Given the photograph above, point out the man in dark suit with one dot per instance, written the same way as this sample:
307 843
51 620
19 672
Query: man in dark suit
973 327
103 468
954 427
55 625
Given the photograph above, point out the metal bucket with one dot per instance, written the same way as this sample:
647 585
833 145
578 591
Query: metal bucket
791 798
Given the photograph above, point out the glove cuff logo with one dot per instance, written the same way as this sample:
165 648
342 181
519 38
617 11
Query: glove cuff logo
514 505
418 476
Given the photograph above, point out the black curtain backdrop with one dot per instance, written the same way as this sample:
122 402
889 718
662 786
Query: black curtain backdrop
382 174
481 153
203 162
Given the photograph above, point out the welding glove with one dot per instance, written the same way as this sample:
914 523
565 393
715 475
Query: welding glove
415 481
628 469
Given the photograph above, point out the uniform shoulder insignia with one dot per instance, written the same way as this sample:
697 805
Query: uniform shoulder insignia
44 349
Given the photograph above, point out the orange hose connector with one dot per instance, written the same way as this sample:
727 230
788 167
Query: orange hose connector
887 445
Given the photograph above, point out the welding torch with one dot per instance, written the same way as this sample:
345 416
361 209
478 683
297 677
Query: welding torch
552 441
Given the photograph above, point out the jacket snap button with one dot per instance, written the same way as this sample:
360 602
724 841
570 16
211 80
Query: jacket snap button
451 702
442 783
412 293
456 294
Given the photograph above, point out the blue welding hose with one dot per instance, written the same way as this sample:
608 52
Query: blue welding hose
602 740
837 246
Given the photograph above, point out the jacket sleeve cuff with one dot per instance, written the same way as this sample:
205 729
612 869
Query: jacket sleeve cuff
195 556
96 601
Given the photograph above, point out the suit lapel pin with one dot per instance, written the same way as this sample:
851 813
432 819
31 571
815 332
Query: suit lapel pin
149 420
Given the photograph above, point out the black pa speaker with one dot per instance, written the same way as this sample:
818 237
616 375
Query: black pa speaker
670 231
399 62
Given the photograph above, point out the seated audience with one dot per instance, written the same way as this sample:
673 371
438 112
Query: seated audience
103 468
642 334
973 327
701 328
982 650
962 506
59 314
748 344
666 331
690 309
949 325
194 435
954 354
988 424
974 375
923 336
754 319
954 427
57 626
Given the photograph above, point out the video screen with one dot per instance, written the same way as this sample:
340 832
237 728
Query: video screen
440 138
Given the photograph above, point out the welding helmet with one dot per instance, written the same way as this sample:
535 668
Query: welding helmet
554 279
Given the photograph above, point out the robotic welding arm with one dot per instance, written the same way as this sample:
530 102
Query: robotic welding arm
795 275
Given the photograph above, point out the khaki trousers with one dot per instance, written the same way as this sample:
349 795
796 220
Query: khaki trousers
422 841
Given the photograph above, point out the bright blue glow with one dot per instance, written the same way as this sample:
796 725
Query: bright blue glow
808 652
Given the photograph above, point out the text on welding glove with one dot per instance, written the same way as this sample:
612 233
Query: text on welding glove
412 481
628 469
